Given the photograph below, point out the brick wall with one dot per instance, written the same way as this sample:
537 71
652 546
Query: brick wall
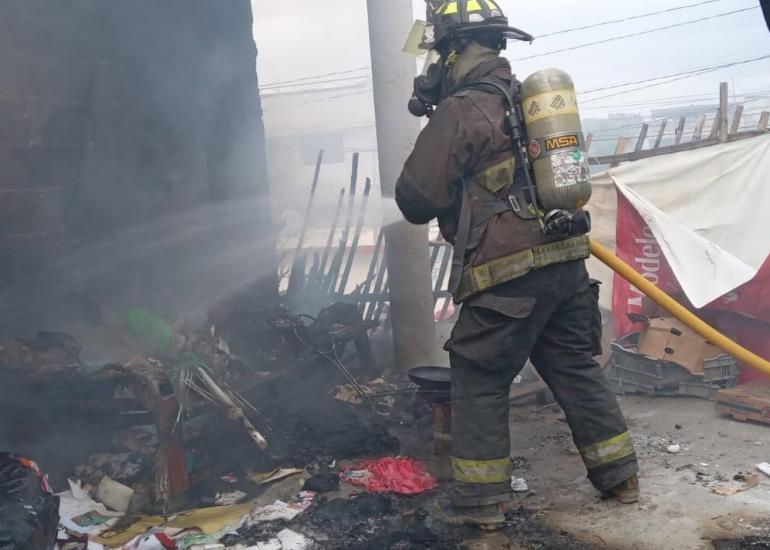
120 112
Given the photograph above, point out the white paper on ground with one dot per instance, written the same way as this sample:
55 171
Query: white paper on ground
272 512
75 503
272 544
114 495
292 541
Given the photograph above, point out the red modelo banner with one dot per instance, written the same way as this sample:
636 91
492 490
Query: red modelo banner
743 314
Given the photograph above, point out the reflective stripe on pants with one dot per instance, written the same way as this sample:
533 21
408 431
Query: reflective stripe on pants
481 471
607 451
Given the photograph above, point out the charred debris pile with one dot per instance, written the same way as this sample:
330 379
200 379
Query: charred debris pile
261 429
251 391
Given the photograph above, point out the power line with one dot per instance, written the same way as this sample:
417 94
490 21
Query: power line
669 100
314 82
367 90
753 95
683 77
630 18
640 33
279 83
652 79
664 103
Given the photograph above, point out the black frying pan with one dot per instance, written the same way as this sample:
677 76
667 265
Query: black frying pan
431 378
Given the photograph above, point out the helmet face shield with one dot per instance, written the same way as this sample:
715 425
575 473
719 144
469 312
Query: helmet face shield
417 39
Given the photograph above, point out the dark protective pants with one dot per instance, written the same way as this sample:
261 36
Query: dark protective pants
551 316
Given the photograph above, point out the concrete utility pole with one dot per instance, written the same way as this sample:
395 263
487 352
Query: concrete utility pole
406 245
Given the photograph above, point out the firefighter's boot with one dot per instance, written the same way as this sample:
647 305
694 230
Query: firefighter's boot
487 518
627 492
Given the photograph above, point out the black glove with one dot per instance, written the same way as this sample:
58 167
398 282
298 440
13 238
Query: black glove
569 224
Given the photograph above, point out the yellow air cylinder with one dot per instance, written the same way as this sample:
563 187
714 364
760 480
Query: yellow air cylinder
556 142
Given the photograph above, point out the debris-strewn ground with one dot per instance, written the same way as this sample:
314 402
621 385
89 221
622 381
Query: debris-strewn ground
678 508
700 489
376 522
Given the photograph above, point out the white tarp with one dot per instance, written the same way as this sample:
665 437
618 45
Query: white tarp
708 209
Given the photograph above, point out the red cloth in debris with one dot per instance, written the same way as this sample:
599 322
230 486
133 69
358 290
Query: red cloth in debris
165 541
405 476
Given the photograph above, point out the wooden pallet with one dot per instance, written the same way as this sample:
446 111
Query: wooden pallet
747 402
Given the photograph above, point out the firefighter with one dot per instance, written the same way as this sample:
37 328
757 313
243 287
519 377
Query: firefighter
523 285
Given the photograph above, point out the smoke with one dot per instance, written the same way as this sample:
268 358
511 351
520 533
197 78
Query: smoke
178 266
390 211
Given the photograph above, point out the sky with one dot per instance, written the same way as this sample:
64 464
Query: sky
305 38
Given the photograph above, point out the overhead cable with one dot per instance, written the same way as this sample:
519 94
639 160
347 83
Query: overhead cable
279 83
365 91
313 83
640 33
630 18
682 77
672 75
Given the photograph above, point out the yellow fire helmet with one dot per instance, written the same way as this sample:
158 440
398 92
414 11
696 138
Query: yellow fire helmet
465 19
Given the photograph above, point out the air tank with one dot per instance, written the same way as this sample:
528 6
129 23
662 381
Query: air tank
556 143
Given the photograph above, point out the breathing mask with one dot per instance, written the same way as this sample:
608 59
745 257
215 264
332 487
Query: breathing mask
428 86
427 90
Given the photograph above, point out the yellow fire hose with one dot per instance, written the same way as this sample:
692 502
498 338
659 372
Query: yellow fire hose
677 310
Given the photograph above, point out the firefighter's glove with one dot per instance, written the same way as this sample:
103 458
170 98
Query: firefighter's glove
569 224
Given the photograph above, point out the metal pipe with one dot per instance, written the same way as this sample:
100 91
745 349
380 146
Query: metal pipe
367 284
334 270
366 287
356 237
311 199
442 268
330 238
378 287
678 310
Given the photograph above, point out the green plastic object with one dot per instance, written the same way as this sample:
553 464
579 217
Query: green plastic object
153 333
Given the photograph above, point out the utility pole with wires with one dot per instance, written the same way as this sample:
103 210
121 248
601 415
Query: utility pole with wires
406 245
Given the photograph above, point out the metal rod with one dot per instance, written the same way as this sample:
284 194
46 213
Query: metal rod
312 274
724 96
736 119
378 286
433 256
447 302
311 199
356 236
680 130
763 120
448 298
445 256
381 306
642 137
661 131
334 270
698 132
297 278
330 238
351 198
366 287
620 147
